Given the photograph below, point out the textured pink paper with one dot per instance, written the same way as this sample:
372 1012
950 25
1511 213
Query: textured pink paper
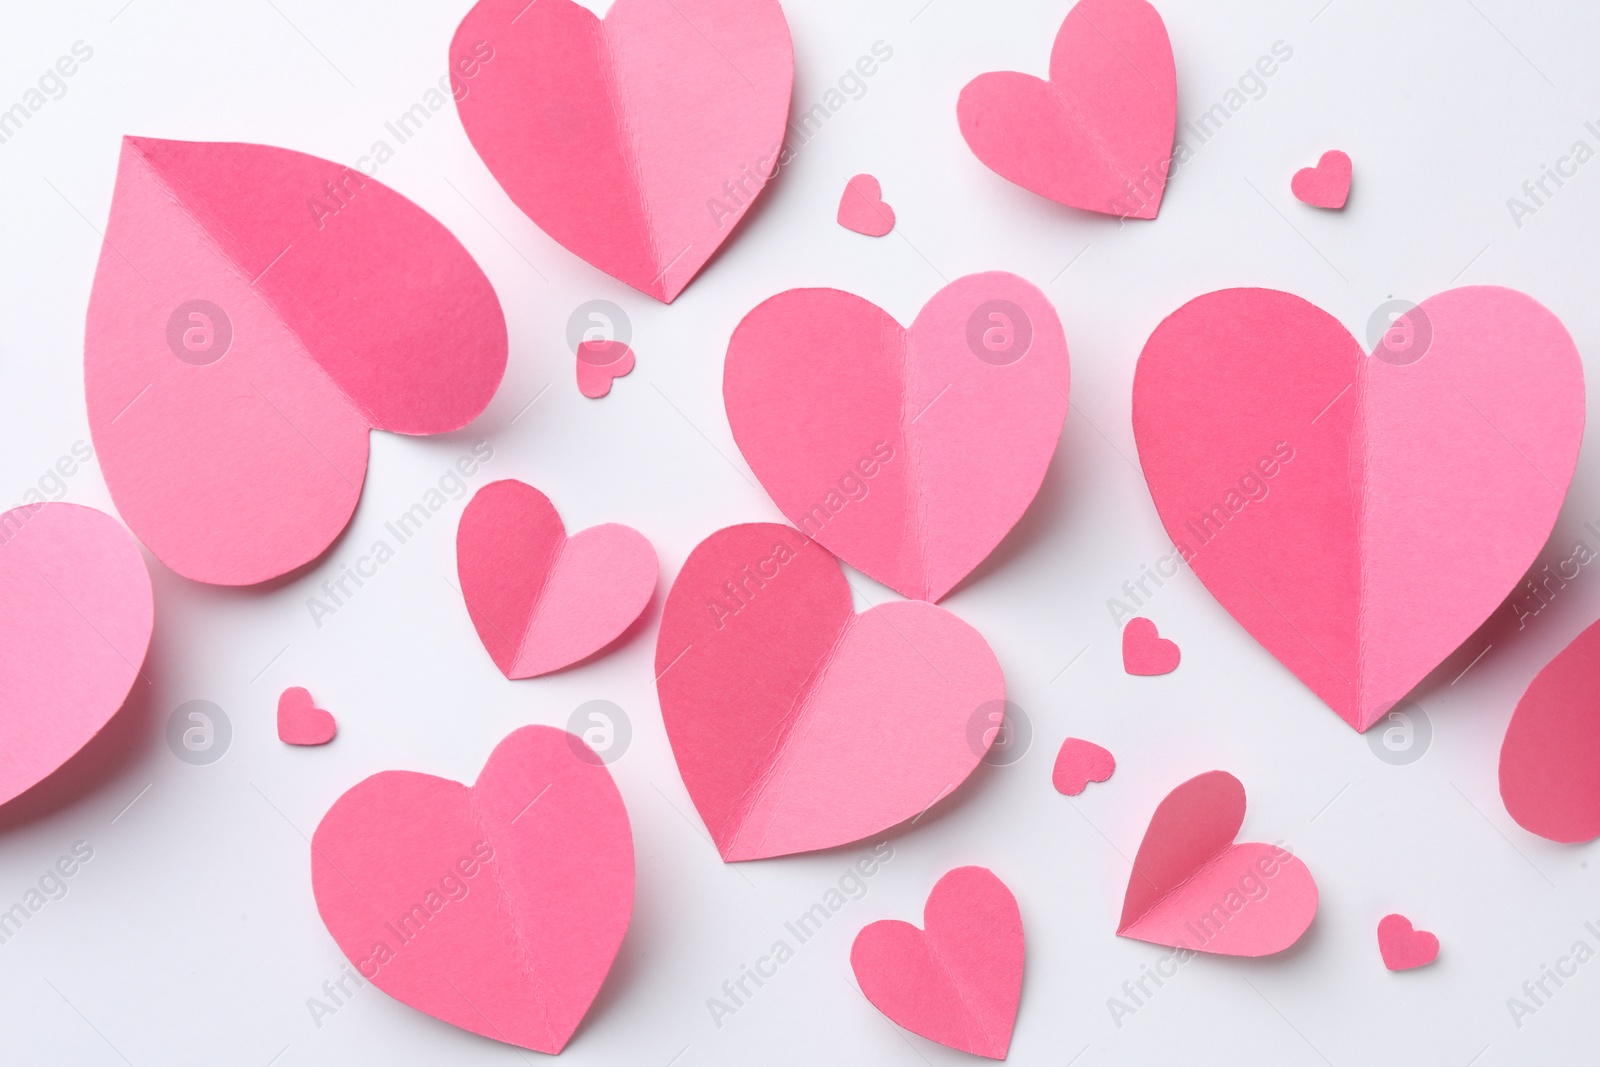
1550 759
301 722
350 309
1192 887
957 980
599 364
638 141
862 209
1327 185
908 454
1145 651
498 907
1403 947
1078 763
539 599
798 724
1399 498
1098 134
75 588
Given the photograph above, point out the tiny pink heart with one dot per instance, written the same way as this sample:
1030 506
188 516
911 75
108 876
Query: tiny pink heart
1326 185
1078 763
599 363
541 600
301 722
1145 651
1404 947
862 209
957 980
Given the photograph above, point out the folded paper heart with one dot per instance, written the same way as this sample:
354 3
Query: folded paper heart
599 363
256 313
76 596
1326 185
1193 888
637 141
1359 515
798 724
301 722
1098 134
1145 651
1403 947
497 907
1550 758
907 453
541 600
1078 763
957 980
862 209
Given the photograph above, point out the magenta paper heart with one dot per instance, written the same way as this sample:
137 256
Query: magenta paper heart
1078 763
862 209
539 599
908 454
1550 758
76 595
256 312
1403 947
1193 888
638 141
301 722
1359 515
1098 134
1326 185
1145 651
497 907
958 980
798 724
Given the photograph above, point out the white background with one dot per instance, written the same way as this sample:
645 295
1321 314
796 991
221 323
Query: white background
192 937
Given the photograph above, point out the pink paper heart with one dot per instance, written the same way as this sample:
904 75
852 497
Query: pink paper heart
1325 185
256 314
1192 887
798 724
1078 763
1098 134
1550 758
75 589
862 209
957 980
1403 947
599 362
1359 515
301 722
1145 651
908 454
541 600
638 141
497 907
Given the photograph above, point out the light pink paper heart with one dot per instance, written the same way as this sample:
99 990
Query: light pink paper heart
862 209
1550 758
256 313
1145 651
77 600
1192 887
1098 134
1078 763
1403 947
541 600
638 141
1327 185
1359 515
301 722
497 907
957 980
908 454
798 724
599 363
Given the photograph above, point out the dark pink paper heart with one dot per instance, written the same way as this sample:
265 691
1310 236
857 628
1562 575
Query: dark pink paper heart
1078 763
301 722
1145 651
1402 946
1326 185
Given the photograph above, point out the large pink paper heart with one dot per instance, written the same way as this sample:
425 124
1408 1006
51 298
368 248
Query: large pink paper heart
256 312
908 454
76 597
539 599
1359 515
958 980
1098 134
498 907
1550 758
1192 887
637 141
798 724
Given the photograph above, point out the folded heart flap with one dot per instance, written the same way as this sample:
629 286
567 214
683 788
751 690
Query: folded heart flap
1193 825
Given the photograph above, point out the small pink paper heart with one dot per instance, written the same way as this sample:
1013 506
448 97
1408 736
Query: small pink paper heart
1145 651
301 722
1078 763
1326 185
957 981
1404 947
599 362
862 209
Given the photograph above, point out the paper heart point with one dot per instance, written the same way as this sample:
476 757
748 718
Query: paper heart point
301 722
862 209
541 600
599 363
957 980
1145 651
1550 758
1360 515
1193 887
1326 185
1403 947
496 907
1078 763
